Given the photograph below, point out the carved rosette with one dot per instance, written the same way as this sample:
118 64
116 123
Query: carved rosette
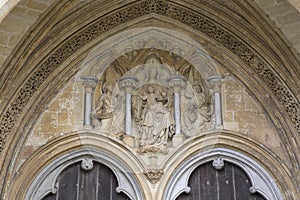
154 175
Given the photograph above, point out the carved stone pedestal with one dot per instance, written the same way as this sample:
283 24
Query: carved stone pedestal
177 140
129 140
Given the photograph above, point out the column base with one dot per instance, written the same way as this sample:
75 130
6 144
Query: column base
177 140
129 140
87 127
219 127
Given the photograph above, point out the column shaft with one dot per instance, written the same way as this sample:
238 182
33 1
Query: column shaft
218 108
128 114
88 109
177 112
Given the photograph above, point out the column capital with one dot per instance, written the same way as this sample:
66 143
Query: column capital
177 82
128 83
215 83
89 81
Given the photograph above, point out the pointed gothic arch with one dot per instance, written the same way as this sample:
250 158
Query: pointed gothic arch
57 59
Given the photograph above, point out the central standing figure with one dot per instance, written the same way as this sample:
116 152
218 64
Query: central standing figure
156 122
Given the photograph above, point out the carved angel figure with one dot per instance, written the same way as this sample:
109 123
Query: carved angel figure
108 112
197 111
155 121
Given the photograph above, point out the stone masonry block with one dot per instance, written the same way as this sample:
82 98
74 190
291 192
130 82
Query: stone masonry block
265 2
234 102
36 5
288 18
25 13
250 104
4 38
14 39
296 37
232 87
231 126
297 47
14 25
291 29
4 50
63 118
280 9
229 116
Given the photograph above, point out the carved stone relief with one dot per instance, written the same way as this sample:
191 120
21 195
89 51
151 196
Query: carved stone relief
195 20
153 117
152 85
108 114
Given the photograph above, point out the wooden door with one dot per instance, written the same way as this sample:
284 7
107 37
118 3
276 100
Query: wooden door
229 183
99 183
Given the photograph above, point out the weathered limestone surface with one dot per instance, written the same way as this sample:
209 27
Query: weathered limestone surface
286 17
18 21
241 114
244 115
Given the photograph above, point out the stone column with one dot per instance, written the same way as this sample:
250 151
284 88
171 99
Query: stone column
216 83
177 83
89 83
128 83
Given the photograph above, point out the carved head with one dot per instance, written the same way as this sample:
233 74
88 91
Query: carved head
108 87
151 89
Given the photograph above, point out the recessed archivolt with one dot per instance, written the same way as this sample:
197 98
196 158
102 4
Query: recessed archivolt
159 8
233 147
126 48
164 8
55 156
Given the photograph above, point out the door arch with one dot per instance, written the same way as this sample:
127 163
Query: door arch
87 180
220 180
42 170
261 183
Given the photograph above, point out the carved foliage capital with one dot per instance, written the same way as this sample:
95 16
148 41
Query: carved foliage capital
128 83
177 82
154 175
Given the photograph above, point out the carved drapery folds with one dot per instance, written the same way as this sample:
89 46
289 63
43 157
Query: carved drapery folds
148 99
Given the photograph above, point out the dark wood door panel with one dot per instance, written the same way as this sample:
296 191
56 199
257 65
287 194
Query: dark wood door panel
99 183
229 183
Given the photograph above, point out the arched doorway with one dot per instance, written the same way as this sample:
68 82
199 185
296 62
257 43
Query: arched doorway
86 180
212 183
221 173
